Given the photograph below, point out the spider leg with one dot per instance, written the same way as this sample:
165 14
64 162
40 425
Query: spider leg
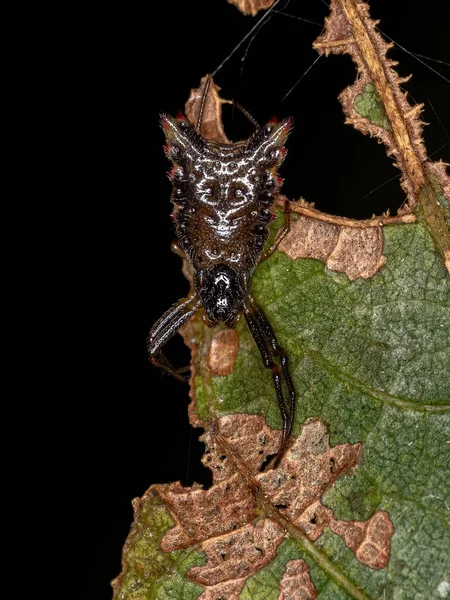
270 350
281 232
234 102
165 328
245 112
203 102
160 360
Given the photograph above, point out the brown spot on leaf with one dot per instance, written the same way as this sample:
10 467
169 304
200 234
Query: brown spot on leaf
357 252
313 439
222 352
227 505
249 442
370 540
296 583
226 590
375 547
308 238
303 477
211 125
239 554
251 7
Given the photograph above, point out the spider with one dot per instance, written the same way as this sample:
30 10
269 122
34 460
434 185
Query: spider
222 195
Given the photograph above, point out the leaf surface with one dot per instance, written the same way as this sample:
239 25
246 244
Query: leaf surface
370 358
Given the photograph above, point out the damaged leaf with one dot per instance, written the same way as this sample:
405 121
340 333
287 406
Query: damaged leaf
251 7
345 245
245 514
371 358
376 104
211 125
358 506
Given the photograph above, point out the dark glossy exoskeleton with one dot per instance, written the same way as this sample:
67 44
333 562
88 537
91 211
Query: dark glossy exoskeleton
223 194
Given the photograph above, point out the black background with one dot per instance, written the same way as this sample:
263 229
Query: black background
145 62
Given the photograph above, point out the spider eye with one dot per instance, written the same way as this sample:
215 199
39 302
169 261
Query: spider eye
238 193
183 125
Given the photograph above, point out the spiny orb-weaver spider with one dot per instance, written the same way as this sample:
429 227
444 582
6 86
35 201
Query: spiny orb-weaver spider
222 195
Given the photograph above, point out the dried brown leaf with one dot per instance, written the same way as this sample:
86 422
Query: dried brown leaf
349 22
211 125
251 7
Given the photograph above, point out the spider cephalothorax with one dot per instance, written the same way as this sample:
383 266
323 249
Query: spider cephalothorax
222 196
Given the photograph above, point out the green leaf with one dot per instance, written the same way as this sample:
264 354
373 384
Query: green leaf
371 359
355 346
149 573
368 105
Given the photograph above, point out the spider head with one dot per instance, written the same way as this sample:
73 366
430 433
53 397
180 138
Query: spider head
222 291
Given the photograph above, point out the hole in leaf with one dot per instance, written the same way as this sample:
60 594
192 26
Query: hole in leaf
358 178
266 462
